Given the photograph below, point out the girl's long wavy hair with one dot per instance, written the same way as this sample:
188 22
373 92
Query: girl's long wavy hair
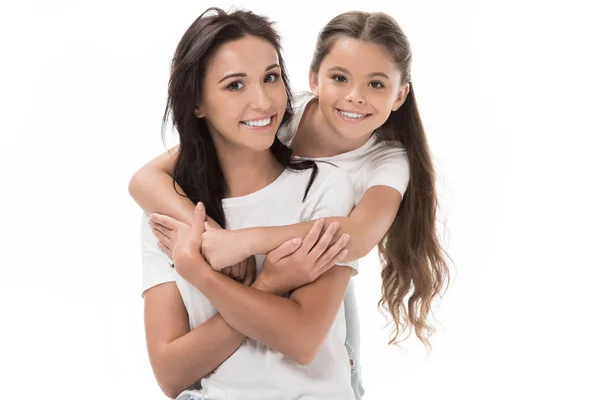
414 264
197 167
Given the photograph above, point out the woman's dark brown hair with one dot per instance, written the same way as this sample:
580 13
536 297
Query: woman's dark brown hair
197 167
415 270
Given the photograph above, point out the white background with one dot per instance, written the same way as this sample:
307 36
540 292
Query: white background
507 92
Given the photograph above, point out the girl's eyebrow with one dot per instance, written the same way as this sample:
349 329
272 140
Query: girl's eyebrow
346 71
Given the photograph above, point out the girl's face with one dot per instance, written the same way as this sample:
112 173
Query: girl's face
244 98
358 85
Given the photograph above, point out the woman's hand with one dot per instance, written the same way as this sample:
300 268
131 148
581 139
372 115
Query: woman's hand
243 272
185 242
299 262
170 231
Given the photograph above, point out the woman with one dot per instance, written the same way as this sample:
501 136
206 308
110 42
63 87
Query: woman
228 96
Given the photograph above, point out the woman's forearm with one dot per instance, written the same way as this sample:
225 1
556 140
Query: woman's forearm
290 327
189 358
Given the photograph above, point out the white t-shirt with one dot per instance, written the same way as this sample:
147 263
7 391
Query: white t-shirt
374 163
255 371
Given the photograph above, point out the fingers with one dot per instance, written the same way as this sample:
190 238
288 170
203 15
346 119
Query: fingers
250 271
164 220
324 241
161 228
162 234
331 255
339 257
198 222
284 250
236 272
312 236
165 250
226 271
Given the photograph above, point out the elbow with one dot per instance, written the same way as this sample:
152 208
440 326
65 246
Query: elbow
357 251
134 183
362 244
169 387
305 351
305 359
168 378
170 392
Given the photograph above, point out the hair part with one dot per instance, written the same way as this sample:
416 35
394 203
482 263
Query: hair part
414 267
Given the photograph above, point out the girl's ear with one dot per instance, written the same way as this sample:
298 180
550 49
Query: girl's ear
402 94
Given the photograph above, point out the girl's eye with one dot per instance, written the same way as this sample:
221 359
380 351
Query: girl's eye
339 78
237 85
272 78
376 84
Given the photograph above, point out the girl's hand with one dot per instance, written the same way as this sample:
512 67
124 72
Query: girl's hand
298 262
223 248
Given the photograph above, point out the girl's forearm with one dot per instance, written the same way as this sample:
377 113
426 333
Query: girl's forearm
261 240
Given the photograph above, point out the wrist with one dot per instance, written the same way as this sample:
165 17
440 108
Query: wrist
245 240
262 284
203 275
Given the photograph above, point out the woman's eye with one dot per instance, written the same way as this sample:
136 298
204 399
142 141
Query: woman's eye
235 85
271 78
339 78
376 84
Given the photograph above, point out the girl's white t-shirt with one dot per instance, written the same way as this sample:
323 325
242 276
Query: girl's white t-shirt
375 163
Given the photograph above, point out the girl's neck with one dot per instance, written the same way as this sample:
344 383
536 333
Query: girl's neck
245 170
316 138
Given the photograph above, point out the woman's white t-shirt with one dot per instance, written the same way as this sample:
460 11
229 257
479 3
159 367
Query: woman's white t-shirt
255 371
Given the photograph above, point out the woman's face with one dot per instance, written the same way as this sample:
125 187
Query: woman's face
244 98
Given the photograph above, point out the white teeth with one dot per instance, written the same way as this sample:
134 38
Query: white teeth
351 115
261 122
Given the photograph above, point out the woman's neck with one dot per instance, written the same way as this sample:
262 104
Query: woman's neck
245 170
316 138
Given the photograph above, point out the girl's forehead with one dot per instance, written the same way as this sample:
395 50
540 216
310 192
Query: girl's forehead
360 56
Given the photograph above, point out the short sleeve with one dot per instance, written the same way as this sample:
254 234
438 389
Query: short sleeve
389 167
156 265
333 196
286 133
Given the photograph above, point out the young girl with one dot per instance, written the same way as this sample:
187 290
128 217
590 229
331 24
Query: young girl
228 95
361 116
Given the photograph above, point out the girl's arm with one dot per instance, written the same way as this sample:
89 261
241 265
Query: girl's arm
368 222
180 357
152 188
